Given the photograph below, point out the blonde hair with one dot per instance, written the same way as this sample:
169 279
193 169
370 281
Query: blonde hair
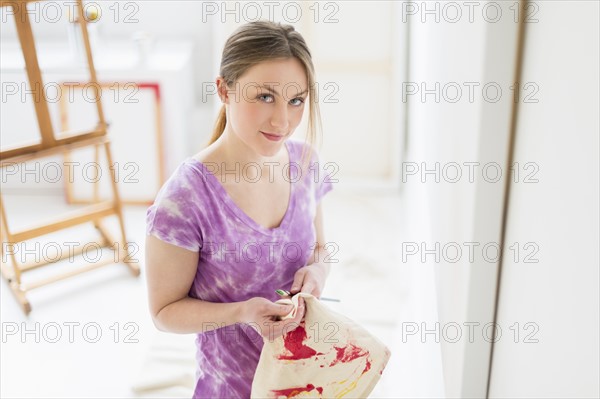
260 41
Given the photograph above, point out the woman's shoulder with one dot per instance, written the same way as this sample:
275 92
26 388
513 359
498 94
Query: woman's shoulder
299 148
207 154
188 183
297 143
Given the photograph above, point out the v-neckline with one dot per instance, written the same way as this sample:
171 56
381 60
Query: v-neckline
235 208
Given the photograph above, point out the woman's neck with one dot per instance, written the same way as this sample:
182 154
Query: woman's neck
230 149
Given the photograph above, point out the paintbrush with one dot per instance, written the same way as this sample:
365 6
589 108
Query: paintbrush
287 293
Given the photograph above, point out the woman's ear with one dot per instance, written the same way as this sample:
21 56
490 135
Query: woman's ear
222 90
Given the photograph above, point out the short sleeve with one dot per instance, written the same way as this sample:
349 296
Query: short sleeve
174 216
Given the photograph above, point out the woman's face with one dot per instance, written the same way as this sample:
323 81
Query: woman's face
266 104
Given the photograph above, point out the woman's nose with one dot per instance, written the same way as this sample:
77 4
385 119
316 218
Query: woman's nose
279 118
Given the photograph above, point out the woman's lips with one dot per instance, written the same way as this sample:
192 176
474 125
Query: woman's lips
272 137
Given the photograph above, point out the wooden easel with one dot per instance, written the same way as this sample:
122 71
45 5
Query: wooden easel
51 145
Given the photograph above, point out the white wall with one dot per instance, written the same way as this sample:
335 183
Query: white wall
559 214
453 131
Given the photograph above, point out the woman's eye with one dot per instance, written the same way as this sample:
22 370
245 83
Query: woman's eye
268 98
297 101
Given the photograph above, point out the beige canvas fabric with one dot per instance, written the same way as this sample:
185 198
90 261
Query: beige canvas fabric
326 356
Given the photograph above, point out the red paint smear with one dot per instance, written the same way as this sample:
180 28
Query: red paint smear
291 392
367 367
294 342
349 353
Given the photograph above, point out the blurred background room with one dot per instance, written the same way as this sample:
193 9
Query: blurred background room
463 138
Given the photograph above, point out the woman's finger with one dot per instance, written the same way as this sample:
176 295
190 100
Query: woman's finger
308 287
300 310
298 281
281 309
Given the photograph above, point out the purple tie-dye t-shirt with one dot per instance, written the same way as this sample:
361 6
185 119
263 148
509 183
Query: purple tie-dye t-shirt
239 259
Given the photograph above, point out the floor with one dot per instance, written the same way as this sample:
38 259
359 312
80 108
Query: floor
91 335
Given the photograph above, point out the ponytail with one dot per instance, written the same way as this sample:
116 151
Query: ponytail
219 125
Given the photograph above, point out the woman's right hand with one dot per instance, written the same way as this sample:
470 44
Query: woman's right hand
263 315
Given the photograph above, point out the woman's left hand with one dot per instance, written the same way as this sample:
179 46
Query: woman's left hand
310 279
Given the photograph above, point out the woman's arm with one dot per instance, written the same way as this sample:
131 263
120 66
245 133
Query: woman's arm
321 255
311 278
170 273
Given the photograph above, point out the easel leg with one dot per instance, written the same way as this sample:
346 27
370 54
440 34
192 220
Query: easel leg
12 277
106 238
133 266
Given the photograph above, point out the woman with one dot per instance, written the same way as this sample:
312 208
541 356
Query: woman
241 218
